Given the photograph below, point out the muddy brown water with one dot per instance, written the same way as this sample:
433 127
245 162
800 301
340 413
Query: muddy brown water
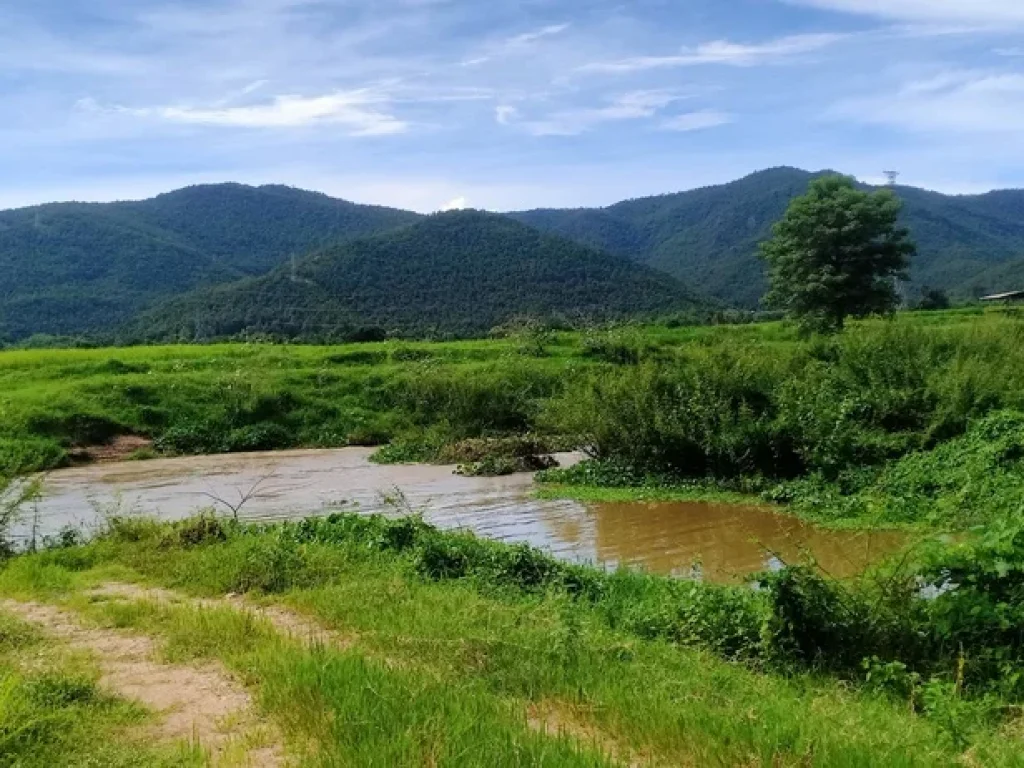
724 542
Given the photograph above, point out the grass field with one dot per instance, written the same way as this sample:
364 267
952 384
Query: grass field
418 666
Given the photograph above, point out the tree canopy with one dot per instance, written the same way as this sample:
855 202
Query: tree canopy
837 253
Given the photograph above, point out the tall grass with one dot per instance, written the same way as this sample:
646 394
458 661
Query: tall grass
749 405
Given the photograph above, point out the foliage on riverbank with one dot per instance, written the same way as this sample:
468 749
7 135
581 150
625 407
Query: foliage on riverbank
885 403
639 657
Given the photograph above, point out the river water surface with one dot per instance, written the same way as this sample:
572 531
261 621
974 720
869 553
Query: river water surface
724 542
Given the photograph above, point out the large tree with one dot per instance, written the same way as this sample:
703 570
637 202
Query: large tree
837 253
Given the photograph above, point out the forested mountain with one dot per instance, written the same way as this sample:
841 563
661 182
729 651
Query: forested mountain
75 268
72 268
458 273
708 237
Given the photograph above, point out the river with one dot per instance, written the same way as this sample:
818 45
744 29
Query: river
714 541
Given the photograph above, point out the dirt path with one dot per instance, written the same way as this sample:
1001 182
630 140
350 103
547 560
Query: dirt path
550 718
198 704
556 719
286 622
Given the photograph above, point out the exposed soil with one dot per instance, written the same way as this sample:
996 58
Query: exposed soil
557 719
120 448
201 704
549 718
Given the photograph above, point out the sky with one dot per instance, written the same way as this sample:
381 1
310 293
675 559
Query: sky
503 104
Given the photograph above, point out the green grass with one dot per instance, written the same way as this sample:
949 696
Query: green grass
913 422
595 494
445 671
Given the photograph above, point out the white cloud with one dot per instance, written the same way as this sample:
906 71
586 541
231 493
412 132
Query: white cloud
457 204
954 102
355 109
696 121
960 11
1009 52
512 45
721 52
505 114
532 37
635 105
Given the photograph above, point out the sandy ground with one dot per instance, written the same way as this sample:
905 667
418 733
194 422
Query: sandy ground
198 704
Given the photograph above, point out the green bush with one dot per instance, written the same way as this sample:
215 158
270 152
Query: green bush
975 478
265 436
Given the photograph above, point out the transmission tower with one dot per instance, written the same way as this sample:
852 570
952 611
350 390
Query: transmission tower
892 176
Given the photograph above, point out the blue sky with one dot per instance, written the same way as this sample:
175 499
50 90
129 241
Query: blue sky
503 104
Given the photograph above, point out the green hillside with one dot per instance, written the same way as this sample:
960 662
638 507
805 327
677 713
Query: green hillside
708 237
459 273
89 269
74 268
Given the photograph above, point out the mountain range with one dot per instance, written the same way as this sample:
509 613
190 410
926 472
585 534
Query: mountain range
76 268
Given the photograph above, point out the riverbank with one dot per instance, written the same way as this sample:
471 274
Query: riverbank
811 423
358 640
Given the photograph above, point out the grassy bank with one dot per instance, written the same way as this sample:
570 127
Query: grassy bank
753 409
447 650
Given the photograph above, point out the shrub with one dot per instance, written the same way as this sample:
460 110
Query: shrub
190 438
268 564
203 529
265 436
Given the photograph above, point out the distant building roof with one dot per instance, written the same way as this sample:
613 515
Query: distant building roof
1011 296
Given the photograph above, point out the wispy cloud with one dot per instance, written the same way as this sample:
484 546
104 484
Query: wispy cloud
279 88
505 114
721 52
696 121
967 11
635 105
359 111
531 37
975 102
510 45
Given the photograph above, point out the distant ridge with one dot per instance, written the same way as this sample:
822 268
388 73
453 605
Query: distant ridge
452 274
91 268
